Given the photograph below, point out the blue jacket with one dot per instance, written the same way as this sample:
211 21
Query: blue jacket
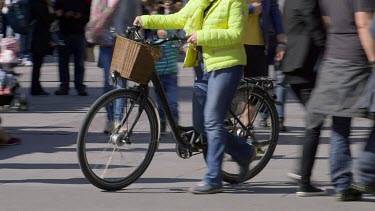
373 28
270 14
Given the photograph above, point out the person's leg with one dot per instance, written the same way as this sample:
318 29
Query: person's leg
199 98
4 26
79 50
64 55
366 173
255 68
35 84
314 123
120 103
281 92
222 85
366 169
105 57
340 159
170 87
163 121
303 91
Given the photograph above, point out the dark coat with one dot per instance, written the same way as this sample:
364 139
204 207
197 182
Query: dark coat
305 34
40 23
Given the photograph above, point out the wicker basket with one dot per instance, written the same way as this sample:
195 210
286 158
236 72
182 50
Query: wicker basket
133 60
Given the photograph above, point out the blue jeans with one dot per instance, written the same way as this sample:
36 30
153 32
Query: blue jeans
340 159
73 44
366 174
105 59
169 83
280 90
209 111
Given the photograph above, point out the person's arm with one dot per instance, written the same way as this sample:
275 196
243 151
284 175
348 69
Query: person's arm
172 21
279 30
255 8
226 37
363 23
276 18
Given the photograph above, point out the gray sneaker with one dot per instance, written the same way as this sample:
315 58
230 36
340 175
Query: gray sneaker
244 169
205 188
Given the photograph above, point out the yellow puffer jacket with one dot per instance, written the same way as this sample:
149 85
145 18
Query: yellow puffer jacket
220 33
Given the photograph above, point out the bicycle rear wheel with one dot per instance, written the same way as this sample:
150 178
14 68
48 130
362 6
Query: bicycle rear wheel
115 160
262 137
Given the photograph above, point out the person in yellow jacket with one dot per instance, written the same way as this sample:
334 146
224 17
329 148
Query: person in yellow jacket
216 29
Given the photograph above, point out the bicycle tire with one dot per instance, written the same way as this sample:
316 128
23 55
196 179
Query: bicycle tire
264 97
86 149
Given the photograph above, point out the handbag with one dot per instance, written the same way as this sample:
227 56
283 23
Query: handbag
98 29
90 55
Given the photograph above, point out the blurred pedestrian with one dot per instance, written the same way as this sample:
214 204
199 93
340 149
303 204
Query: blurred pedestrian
167 69
6 30
341 80
366 167
262 16
73 16
306 41
111 18
41 17
216 29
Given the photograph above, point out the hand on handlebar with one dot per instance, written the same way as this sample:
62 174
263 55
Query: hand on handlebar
193 38
137 21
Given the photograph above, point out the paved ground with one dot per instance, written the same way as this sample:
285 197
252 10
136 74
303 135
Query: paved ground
43 174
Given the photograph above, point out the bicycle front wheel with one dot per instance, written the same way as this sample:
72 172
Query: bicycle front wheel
114 160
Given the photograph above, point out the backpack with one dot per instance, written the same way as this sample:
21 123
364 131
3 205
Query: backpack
18 16
97 29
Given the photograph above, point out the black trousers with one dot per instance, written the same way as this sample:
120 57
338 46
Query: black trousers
37 64
314 123
257 61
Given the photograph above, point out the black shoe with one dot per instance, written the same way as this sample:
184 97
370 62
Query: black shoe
282 128
349 194
364 189
61 92
83 93
40 93
244 168
309 190
163 125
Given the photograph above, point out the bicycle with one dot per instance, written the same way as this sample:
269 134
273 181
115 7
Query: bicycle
113 162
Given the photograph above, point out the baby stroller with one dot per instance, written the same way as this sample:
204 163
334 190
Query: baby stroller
9 85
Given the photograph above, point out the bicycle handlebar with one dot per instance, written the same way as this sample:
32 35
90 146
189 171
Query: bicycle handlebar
171 38
133 30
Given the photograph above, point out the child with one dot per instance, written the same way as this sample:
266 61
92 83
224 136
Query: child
8 59
167 69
